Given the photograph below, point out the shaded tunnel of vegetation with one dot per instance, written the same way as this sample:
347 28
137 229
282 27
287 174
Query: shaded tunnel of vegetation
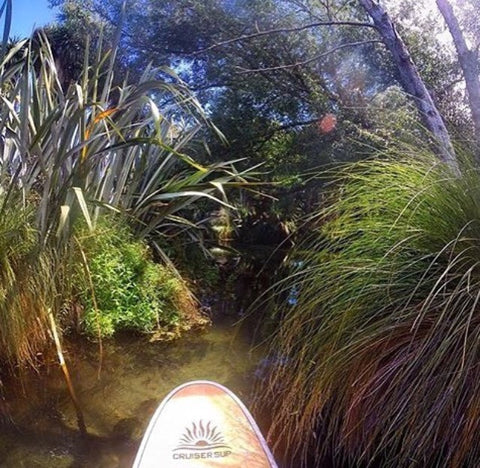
283 196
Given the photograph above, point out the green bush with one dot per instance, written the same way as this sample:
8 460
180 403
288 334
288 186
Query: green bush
121 288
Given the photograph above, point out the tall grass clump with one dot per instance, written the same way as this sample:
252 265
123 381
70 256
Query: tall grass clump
25 290
380 352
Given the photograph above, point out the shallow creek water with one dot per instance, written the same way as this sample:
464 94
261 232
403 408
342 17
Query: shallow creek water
38 424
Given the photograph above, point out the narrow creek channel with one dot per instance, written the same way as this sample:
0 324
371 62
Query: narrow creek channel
38 425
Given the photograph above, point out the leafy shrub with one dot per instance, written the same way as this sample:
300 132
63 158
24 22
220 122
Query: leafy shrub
122 288
382 344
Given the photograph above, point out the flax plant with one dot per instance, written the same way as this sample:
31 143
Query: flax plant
70 154
111 147
380 351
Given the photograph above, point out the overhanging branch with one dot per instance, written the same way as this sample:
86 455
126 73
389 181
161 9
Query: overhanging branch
313 59
246 37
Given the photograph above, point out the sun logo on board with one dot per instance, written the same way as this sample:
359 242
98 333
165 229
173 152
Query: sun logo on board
201 436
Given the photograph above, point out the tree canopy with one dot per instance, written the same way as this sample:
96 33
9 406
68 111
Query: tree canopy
269 71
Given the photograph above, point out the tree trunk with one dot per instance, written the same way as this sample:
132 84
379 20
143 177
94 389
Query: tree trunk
411 81
468 60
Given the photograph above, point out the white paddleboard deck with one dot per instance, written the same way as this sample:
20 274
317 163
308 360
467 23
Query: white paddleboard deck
203 424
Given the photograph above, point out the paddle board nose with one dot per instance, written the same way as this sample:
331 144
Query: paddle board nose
203 424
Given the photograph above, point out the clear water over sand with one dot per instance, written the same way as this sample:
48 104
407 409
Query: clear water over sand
38 422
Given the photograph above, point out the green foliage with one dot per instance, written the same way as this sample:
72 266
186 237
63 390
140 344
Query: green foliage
195 262
271 117
382 345
283 160
93 146
249 107
27 288
121 287
75 150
